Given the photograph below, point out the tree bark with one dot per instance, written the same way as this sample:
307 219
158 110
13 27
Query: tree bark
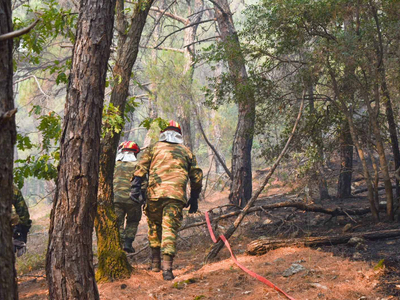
241 186
113 263
69 265
8 282
346 161
382 157
259 247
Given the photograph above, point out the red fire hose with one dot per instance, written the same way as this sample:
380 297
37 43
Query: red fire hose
251 273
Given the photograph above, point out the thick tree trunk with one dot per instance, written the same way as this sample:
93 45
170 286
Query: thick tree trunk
8 282
69 265
260 247
113 263
346 161
241 187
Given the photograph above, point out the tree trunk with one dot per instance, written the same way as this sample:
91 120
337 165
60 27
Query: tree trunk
376 175
8 282
382 157
318 165
367 177
241 186
260 247
346 161
386 96
69 265
392 131
113 263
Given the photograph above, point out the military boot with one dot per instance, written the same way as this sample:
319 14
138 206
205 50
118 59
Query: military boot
155 260
128 245
167 267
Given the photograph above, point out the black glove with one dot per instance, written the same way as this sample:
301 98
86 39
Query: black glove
21 232
136 190
193 201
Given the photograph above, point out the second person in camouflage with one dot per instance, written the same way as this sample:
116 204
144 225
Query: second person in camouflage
124 207
169 165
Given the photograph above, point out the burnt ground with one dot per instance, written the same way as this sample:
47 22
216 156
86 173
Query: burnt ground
330 272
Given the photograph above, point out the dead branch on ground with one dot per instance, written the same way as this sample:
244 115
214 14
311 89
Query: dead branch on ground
262 246
334 212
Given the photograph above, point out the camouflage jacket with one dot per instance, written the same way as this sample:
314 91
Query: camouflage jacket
20 213
122 180
169 167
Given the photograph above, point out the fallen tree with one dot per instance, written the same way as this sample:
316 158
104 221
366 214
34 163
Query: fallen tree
262 246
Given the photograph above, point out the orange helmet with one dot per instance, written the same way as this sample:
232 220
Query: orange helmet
172 125
129 146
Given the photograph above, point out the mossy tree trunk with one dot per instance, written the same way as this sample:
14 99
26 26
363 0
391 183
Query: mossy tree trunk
113 263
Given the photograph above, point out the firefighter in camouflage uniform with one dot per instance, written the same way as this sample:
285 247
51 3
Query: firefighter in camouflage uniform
124 207
20 221
169 165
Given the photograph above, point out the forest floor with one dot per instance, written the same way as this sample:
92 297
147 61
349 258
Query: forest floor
369 271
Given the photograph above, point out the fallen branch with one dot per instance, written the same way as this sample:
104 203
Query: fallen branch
136 253
365 190
262 246
17 33
334 212
218 246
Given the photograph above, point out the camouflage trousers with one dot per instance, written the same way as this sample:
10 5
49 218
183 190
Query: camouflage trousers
164 217
132 212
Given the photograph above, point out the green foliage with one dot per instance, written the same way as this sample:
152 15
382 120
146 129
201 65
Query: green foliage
113 121
174 86
160 122
55 23
154 126
43 164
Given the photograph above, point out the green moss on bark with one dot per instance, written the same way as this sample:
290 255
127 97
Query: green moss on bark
113 263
